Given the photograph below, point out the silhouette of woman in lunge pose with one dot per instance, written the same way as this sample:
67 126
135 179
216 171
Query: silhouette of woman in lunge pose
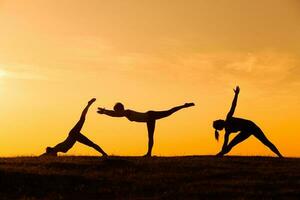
245 127
149 117
75 136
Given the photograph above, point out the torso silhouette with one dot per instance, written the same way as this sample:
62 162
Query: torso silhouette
136 116
233 125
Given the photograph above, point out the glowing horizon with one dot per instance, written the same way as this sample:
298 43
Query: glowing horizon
150 55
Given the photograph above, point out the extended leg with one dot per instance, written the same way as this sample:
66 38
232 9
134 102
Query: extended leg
166 113
239 138
261 136
84 140
151 128
78 126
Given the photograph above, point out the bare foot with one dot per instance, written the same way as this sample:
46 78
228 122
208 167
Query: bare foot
147 155
92 101
189 104
219 155
104 155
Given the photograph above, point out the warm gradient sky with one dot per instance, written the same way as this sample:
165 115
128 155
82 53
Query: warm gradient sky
57 54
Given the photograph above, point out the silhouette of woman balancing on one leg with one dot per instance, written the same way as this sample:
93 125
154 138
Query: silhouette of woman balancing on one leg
75 136
149 117
245 127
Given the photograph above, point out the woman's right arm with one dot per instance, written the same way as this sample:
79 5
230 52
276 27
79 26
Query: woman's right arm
234 102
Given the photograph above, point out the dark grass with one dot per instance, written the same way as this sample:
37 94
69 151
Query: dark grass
192 177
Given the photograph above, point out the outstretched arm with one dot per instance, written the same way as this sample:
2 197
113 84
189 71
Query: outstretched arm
234 102
226 137
111 113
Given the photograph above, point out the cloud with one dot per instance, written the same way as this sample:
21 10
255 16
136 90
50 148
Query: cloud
3 73
260 69
265 71
21 72
257 68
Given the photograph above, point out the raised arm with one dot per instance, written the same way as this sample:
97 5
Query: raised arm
234 102
111 113
226 138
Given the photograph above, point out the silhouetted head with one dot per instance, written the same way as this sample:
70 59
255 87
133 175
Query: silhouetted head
218 125
49 150
119 107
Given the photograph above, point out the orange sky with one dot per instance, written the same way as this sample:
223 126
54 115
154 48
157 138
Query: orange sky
57 54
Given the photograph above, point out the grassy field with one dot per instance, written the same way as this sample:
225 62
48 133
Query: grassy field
195 177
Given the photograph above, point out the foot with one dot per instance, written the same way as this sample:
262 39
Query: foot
104 155
188 105
147 155
92 101
220 155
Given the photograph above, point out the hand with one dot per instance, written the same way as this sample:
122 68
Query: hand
92 101
101 110
237 90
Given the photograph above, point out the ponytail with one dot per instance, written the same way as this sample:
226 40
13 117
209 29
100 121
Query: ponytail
216 134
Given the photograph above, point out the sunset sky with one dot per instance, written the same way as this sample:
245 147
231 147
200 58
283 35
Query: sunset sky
55 55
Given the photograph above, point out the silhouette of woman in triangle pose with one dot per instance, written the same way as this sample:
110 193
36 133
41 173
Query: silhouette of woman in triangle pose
149 117
75 136
246 128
